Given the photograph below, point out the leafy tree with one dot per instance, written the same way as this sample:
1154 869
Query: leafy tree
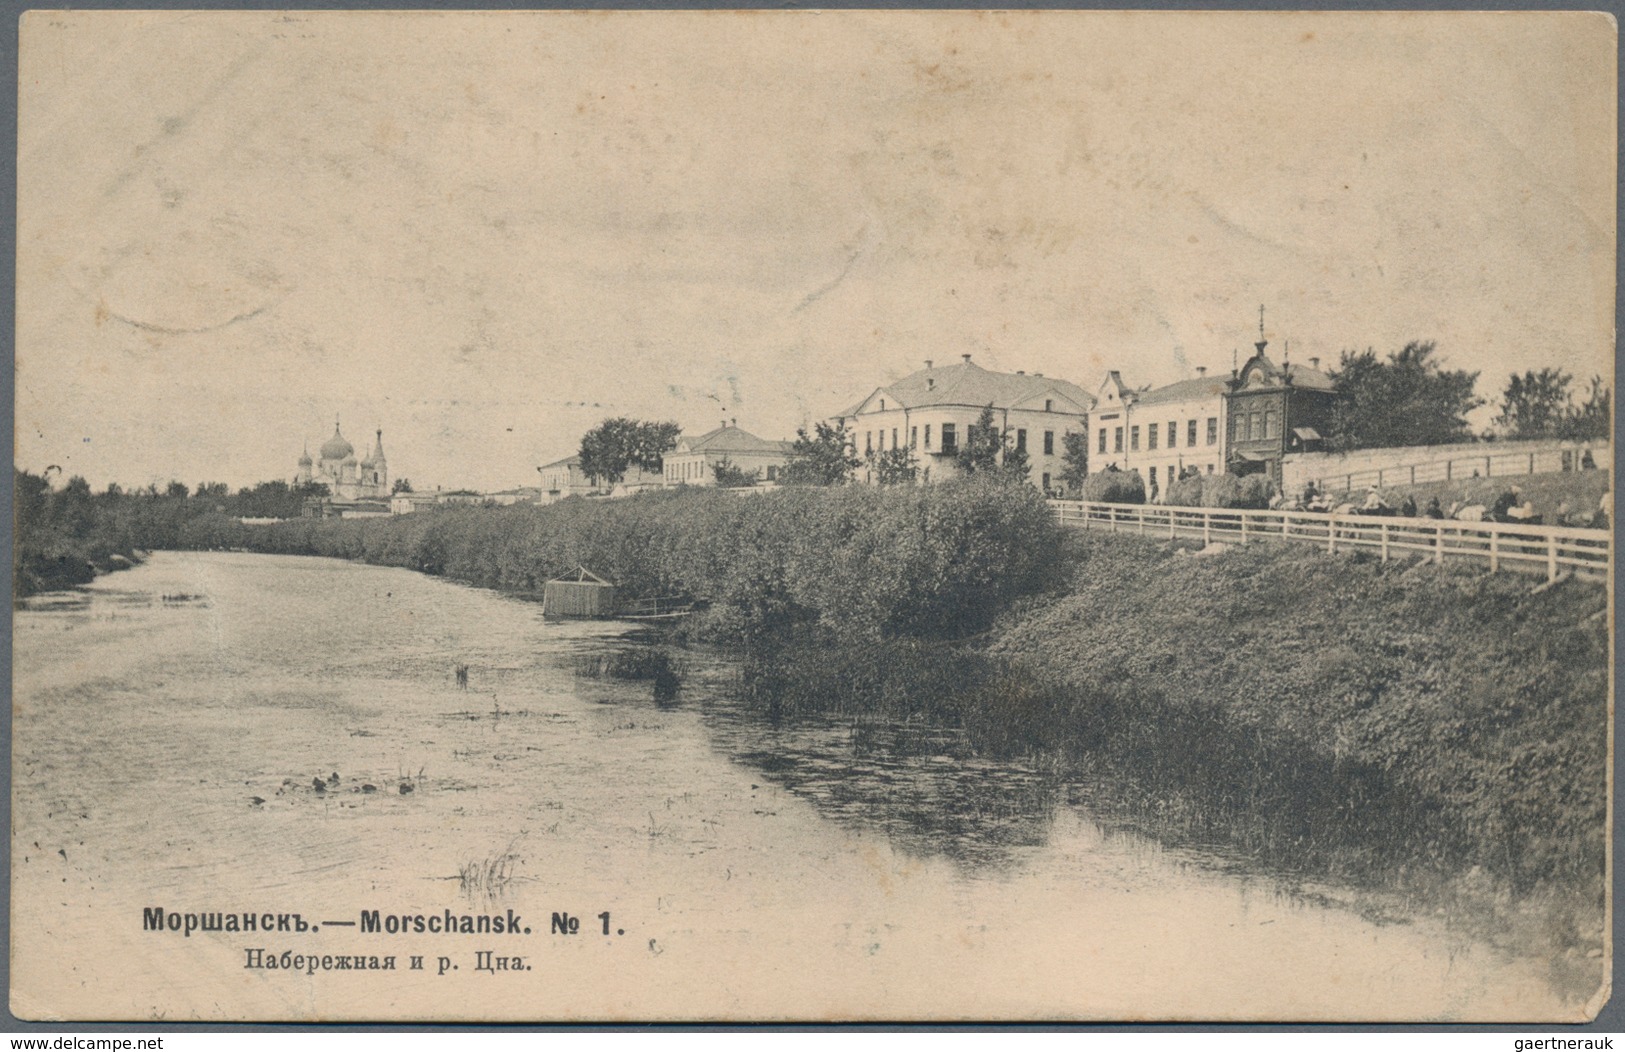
1535 404
820 459
618 444
1075 455
1409 399
895 466
1593 420
177 490
987 448
400 486
982 446
730 476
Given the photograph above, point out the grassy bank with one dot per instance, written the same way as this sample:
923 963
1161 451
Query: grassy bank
1418 728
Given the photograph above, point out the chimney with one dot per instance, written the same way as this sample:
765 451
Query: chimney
734 422
930 383
1039 375
1021 372
1201 371
966 357
724 422
928 363
1314 363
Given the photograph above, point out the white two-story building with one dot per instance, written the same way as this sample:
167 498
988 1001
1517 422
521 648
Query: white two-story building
1160 432
930 412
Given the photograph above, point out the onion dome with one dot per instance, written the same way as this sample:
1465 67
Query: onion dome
336 448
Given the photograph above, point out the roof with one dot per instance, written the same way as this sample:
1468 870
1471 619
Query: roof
1184 391
567 462
730 440
1301 375
969 384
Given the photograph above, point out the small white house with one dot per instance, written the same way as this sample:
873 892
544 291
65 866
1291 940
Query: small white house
694 461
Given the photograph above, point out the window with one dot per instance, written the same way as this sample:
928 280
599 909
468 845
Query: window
1190 434
882 405
1246 428
894 438
1049 443
927 436
949 443
1151 434
913 437
1117 440
1103 440
1210 469
1134 437
1269 423
772 473
1153 478
1021 440
1212 430
868 441
1173 434
1049 407
1046 483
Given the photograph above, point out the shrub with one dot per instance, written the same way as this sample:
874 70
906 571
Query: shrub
1115 487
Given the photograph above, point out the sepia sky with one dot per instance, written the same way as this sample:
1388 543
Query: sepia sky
484 233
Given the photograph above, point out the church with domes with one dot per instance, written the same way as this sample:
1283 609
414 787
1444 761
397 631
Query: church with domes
345 477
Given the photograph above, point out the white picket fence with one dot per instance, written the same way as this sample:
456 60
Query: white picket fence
1502 545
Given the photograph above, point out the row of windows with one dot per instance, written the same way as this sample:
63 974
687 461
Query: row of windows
1154 431
1244 427
950 439
696 470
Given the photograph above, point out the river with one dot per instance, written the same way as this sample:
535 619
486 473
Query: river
166 750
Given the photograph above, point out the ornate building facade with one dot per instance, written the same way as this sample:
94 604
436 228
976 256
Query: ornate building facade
346 477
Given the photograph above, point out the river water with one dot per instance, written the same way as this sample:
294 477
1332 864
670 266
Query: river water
166 751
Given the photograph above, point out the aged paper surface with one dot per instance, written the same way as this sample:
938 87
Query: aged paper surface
484 233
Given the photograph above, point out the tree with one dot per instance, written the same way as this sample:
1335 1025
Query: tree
177 490
400 486
987 448
1535 404
728 476
1409 399
1593 420
615 446
982 446
894 467
820 459
1075 455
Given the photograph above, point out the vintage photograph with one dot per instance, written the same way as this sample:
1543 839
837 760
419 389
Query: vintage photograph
731 516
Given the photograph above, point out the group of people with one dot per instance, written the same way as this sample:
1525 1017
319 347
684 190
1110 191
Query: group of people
1510 506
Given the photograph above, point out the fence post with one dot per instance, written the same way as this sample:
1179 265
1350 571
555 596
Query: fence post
1413 474
1447 466
1140 513
1331 534
1531 463
1488 471
1243 527
1383 532
1207 528
1438 545
1495 551
1551 557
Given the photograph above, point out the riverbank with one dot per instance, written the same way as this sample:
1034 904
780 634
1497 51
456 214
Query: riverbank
1430 730
1435 732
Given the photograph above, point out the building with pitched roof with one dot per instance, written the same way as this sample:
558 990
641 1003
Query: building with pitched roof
1161 432
1273 410
930 412
694 462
